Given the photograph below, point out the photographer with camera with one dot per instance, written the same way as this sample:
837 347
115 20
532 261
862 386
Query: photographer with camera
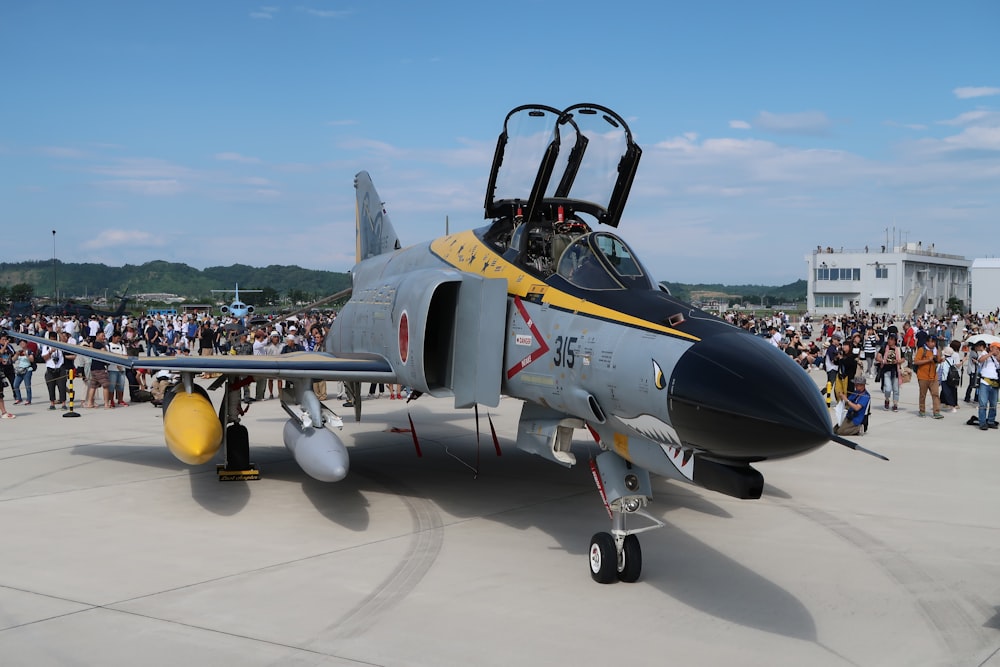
889 360
972 368
989 383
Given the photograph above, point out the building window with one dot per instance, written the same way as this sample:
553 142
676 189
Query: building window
829 301
882 272
838 274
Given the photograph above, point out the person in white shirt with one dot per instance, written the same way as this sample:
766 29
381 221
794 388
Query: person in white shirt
989 382
55 376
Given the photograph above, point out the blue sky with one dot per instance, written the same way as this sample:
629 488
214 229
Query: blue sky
212 133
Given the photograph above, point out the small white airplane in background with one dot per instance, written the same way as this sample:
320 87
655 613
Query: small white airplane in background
237 308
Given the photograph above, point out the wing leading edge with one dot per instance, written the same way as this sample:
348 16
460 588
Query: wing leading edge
315 365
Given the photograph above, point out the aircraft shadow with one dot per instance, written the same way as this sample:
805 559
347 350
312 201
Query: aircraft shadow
676 563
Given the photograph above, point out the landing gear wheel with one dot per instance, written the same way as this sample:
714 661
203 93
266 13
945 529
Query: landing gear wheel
630 561
603 558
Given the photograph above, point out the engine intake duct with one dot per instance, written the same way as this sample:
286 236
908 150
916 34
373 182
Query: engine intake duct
742 481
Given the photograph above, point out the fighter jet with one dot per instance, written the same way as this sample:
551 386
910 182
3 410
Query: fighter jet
237 308
547 305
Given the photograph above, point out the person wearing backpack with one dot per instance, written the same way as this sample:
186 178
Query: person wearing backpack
950 376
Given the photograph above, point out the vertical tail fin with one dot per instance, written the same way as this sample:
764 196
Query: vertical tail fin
374 230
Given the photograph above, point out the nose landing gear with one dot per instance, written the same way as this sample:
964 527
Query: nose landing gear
625 489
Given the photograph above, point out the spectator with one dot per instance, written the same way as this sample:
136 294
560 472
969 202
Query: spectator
55 375
889 360
116 372
989 379
926 360
949 386
24 367
857 402
98 376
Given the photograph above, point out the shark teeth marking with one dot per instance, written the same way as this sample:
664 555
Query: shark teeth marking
662 433
652 428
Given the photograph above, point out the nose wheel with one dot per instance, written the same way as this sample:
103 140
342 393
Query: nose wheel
625 490
615 559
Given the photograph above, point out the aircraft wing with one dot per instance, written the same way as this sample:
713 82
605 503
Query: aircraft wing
314 365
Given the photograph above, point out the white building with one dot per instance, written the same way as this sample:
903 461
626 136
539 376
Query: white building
985 275
910 278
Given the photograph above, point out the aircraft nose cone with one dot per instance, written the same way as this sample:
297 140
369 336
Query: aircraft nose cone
737 396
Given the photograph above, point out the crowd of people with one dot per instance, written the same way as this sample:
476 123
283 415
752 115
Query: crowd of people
853 349
114 386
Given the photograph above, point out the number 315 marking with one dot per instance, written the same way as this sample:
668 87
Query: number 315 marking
564 354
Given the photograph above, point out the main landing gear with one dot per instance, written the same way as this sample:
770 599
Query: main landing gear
625 489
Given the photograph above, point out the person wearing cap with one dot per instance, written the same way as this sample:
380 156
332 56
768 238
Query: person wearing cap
889 360
949 380
857 402
989 383
291 344
926 360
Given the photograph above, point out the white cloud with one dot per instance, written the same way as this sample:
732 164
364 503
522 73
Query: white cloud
739 125
62 152
980 117
142 168
110 238
327 13
146 187
805 122
908 126
255 180
967 92
264 13
236 157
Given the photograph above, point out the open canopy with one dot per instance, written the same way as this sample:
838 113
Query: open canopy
549 163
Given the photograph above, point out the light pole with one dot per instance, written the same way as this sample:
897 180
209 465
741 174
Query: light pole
55 293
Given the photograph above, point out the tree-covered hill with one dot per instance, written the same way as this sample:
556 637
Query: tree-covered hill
96 280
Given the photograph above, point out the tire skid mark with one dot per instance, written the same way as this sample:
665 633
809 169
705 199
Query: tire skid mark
425 545
959 629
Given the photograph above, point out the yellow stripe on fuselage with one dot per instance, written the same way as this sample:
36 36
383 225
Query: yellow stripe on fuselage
466 252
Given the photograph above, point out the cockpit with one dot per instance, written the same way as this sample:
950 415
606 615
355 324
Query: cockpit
600 260
555 174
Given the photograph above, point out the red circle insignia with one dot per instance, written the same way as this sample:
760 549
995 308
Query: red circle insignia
404 337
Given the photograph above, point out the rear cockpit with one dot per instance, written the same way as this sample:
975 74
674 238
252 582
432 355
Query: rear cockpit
556 173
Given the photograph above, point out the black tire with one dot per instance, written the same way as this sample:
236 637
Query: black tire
603 558
237 447
631 561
